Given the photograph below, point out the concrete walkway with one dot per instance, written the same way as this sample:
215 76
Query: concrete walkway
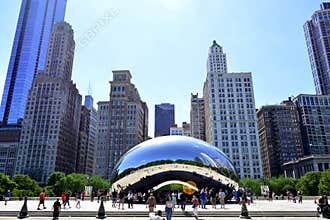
258 205
258 210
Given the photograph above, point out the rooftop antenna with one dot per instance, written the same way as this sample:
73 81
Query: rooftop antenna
90 88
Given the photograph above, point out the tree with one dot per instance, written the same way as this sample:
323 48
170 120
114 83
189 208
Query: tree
98 183
324 185
6 184
75 182
25 186
309 183
54 177
253 184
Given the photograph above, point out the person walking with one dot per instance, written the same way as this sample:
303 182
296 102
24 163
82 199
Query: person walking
130 198
222 196
195 204
169 205
42 198
56 209
7 196
63 197
151 203
300 196
67 199
78 199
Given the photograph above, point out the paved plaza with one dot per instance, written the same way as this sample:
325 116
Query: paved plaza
174 218
258 209
258 205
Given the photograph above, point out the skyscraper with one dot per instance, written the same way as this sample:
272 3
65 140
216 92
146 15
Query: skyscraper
102 139
49 134
28 55
164 119
317 34
87 137
197 117
230 117
314 120
122 123
279 135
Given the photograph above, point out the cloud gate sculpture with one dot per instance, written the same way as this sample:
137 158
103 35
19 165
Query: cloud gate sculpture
174 159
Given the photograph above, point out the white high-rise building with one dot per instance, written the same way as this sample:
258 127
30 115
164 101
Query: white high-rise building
230 115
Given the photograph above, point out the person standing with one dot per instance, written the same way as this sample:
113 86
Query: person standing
213 198
169 205
92 196
67 199
121 196
78 199
203 199
195 204
174 197
151 202
42 198
114 198
222 196
183 199
56 209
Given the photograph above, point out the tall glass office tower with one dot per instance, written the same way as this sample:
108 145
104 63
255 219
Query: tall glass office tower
317 34
34 26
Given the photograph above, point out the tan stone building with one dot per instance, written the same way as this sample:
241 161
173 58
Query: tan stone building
127 125
49 136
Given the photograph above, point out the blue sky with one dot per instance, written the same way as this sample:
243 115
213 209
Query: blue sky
164 44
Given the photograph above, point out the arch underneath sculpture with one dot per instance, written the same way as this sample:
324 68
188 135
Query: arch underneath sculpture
175 182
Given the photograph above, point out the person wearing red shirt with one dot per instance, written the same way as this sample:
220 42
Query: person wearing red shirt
42 198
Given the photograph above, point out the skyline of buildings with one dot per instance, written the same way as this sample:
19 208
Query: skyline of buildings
28 56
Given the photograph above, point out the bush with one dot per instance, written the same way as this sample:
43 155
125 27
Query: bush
308 183
324 185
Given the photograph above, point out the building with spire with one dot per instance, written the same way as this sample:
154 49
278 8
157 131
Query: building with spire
230 117
49 136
